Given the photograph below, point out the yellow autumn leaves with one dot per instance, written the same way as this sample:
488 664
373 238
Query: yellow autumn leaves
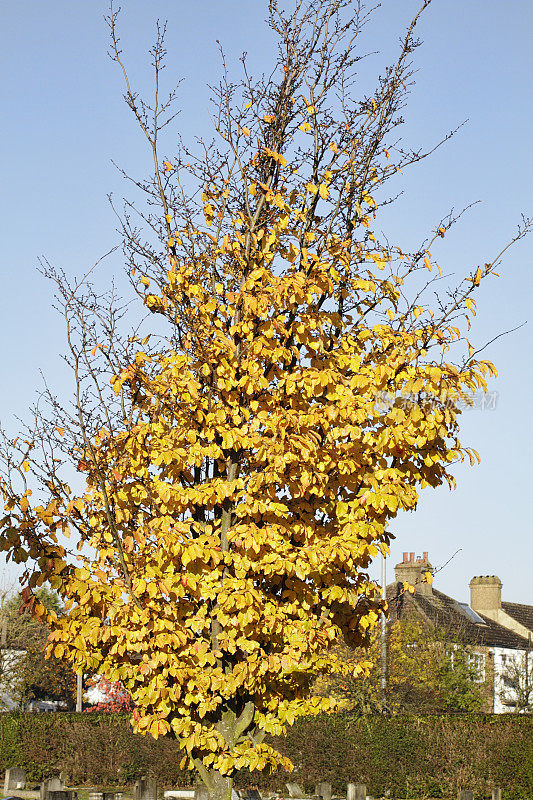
227 523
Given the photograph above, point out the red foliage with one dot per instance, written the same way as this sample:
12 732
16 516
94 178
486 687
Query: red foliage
117 698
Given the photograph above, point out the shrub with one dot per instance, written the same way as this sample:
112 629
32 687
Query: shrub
408 756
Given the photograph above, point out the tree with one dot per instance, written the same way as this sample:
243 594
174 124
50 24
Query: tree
30 676
430 670
6 658
298 391
115 696
517 680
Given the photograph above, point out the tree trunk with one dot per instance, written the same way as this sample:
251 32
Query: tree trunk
221 786
218 786
231 726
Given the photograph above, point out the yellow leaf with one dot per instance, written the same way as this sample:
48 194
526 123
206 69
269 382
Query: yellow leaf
167 165
427 262
477 276
246 131
25 466
332 146
39 610
305 126
324 191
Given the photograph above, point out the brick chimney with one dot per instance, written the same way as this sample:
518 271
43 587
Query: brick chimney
485 593
412 570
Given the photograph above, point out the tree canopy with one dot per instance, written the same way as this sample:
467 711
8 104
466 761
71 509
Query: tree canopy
429 670
238 463
27 675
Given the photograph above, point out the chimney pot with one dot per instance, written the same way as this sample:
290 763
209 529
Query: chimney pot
411 569
426 556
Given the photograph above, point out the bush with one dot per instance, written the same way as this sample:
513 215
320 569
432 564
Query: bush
99 749
408 756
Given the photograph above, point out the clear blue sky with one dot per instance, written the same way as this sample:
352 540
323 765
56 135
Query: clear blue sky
64 121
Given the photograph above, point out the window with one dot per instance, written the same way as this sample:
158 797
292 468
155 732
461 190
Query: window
477 661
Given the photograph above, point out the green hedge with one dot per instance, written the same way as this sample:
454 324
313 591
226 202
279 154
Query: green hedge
410 756
98 749
404 756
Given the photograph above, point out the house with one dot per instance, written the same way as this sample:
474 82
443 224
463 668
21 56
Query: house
499 633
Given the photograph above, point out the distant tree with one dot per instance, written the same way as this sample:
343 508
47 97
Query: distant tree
115 696
30 675
429 670
517 679
458 685
6 657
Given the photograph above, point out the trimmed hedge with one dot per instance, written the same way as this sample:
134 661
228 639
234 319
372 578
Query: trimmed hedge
409 756
404 756
97 749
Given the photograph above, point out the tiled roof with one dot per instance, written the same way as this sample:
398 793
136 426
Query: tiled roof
521 613
452 616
